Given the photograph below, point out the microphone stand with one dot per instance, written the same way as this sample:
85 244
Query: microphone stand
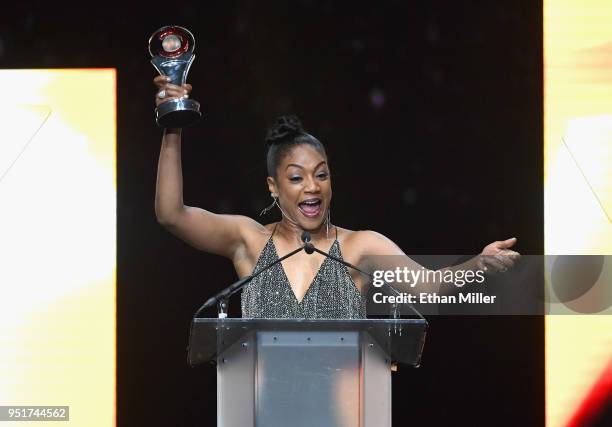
222 297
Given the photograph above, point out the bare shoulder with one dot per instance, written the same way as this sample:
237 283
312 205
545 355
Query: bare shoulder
252 232
249 225
361 243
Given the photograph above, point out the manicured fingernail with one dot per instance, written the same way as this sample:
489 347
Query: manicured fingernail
186 96
168 78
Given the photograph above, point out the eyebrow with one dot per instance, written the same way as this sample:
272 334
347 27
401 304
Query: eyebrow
302 167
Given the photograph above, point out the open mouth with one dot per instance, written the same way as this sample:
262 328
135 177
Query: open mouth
311 208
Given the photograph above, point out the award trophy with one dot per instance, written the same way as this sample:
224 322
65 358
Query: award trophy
171 50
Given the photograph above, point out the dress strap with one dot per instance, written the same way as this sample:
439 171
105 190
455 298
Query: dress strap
274 230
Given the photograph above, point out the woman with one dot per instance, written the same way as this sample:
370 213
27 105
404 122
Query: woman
302 286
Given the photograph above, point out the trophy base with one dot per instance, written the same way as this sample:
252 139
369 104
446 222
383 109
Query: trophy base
178 113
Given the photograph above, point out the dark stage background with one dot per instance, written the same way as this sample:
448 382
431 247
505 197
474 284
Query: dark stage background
432 115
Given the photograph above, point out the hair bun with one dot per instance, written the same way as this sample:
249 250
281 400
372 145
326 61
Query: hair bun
285 126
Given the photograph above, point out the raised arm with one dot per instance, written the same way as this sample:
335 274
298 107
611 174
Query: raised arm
218 234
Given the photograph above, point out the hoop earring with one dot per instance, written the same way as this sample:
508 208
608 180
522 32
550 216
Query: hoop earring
268 208
283 212
327 221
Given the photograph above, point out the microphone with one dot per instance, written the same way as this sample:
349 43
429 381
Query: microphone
308 247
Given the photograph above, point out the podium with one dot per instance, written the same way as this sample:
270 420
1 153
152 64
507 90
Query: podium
303 372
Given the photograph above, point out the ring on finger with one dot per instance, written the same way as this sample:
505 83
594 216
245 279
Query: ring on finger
161 94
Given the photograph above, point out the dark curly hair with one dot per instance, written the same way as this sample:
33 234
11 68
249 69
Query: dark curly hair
286 133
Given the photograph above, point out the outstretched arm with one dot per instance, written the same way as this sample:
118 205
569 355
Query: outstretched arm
381 253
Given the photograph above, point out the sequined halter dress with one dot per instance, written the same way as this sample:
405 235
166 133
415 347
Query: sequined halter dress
331 295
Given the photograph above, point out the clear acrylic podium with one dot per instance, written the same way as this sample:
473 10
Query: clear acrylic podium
298 372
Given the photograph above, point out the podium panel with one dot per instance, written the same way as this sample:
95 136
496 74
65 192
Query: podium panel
309 378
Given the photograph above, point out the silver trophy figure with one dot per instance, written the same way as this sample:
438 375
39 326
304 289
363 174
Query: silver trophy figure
171 50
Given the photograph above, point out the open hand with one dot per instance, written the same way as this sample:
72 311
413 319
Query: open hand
498 257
